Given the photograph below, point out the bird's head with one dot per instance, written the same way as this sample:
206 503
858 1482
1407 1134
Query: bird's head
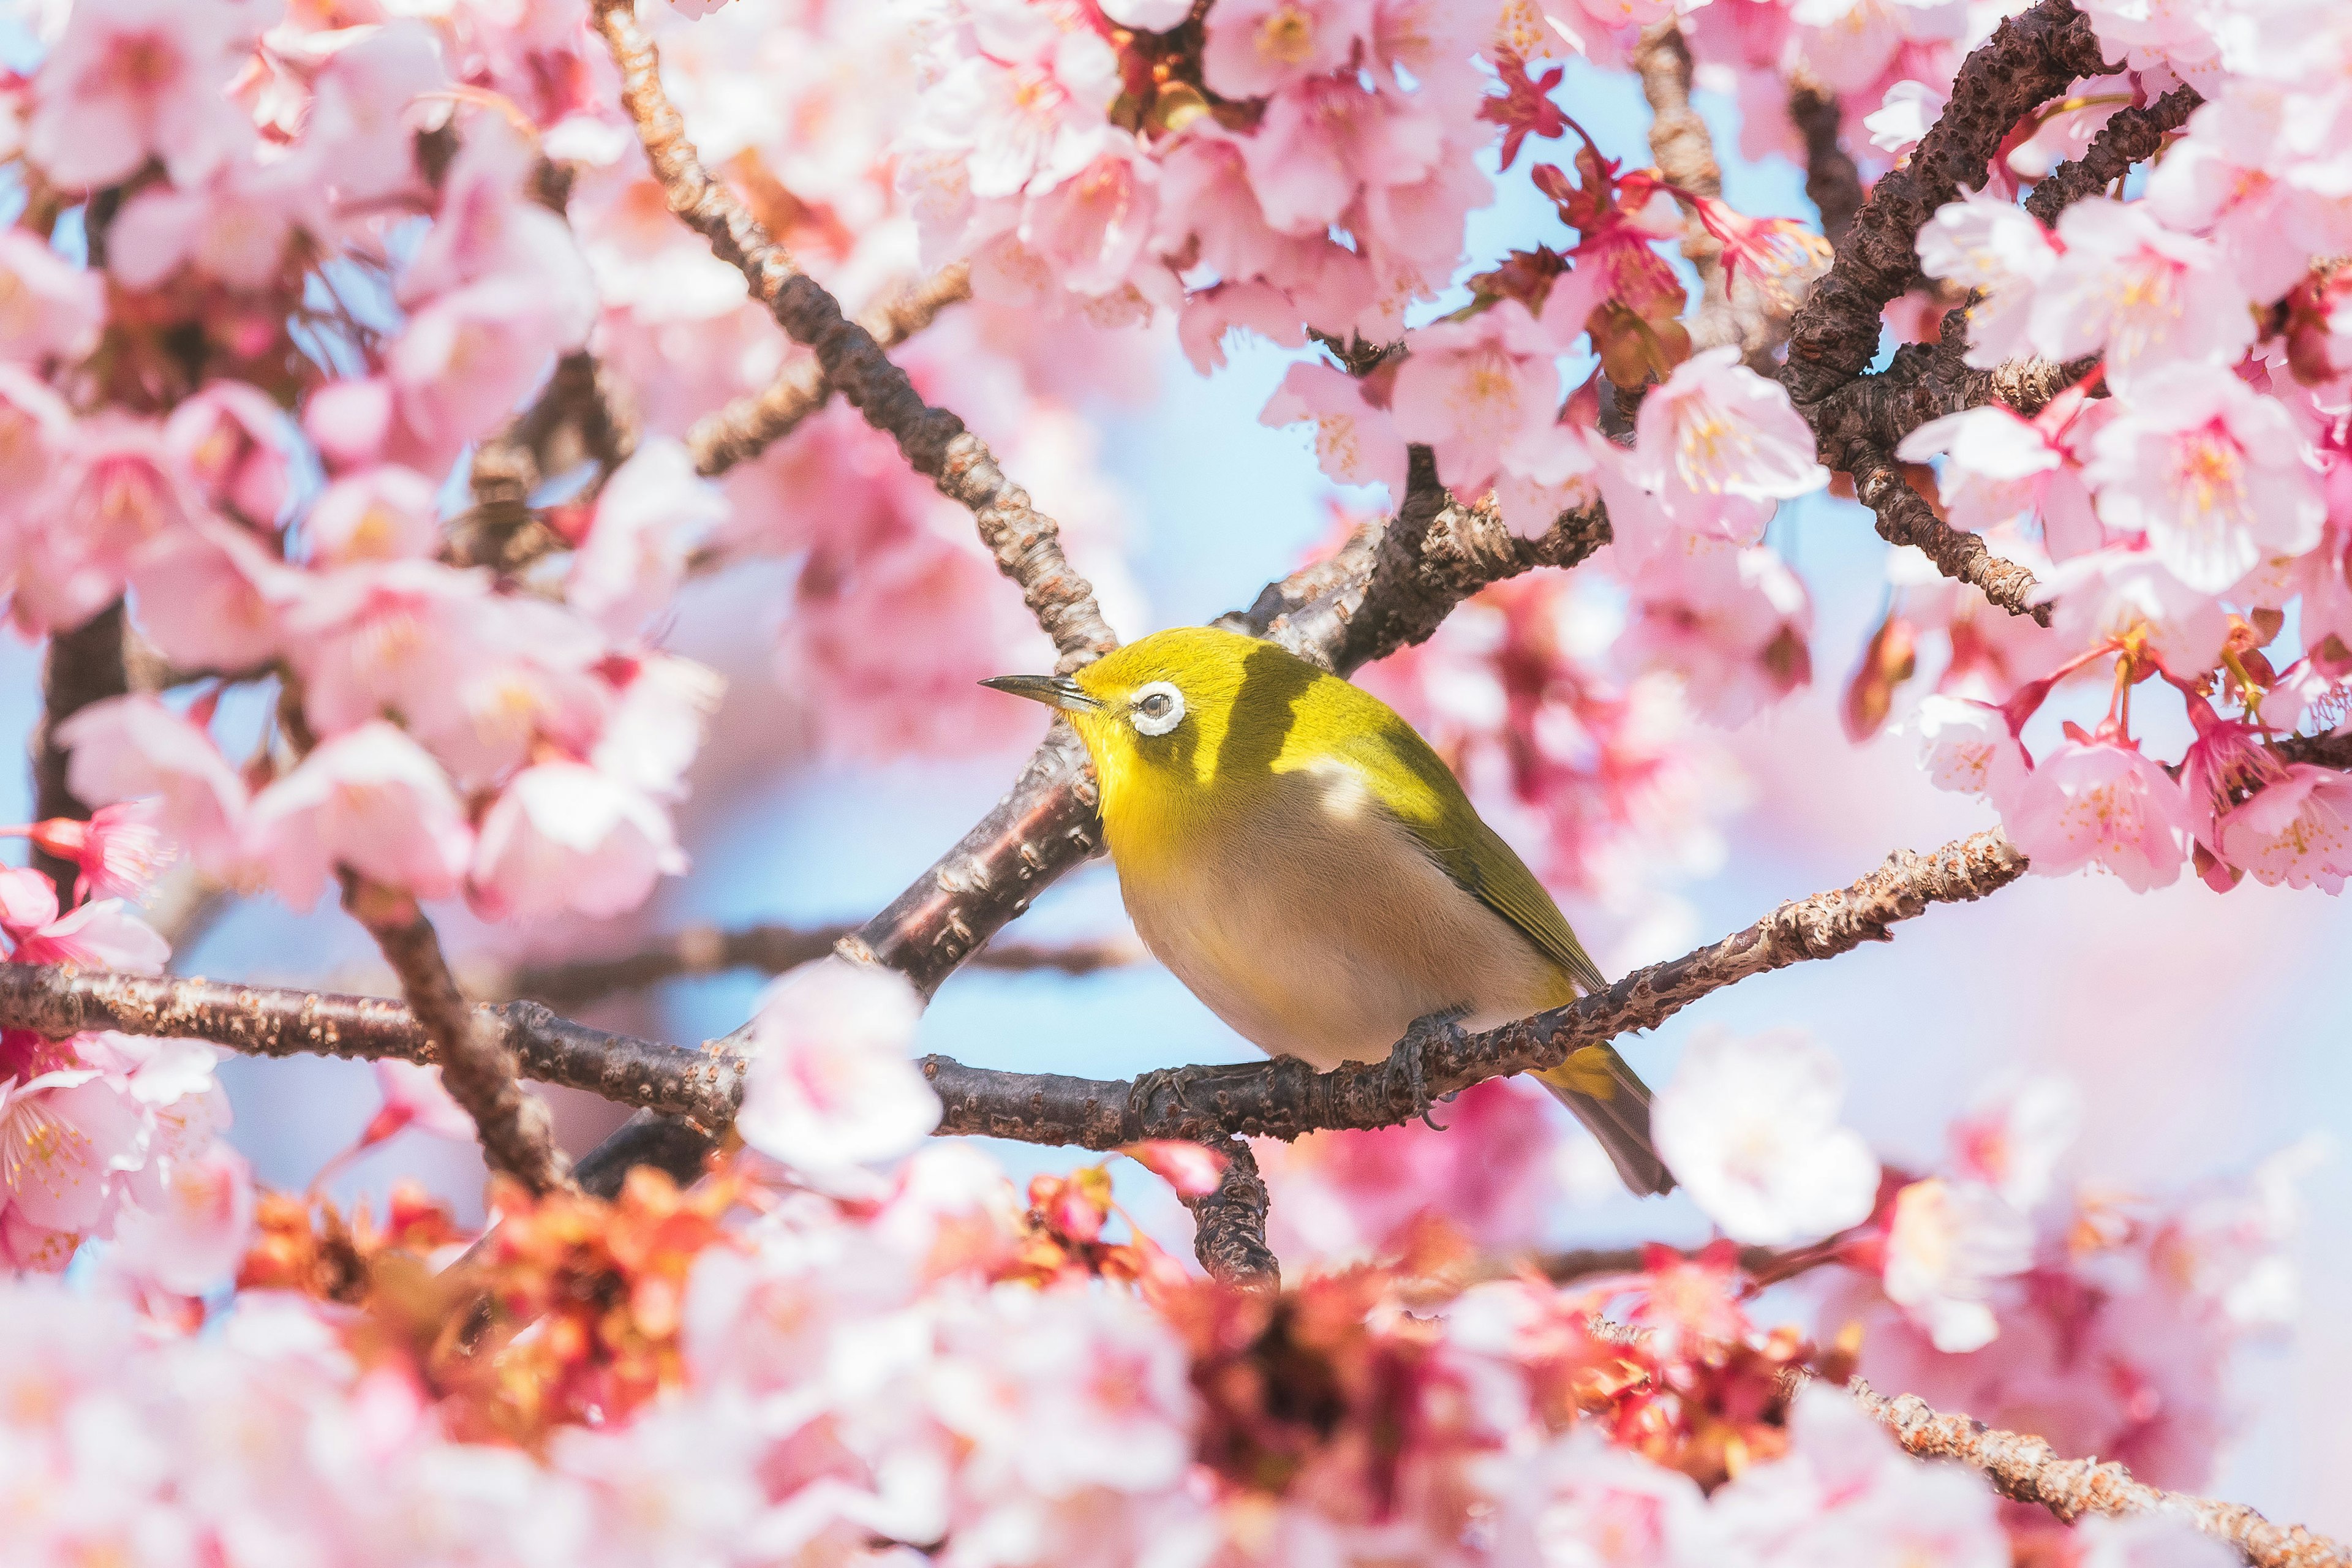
1162 708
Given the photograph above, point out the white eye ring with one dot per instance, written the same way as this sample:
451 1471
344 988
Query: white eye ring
1156 709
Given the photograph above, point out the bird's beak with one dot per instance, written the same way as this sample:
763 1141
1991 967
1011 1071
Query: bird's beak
1053 691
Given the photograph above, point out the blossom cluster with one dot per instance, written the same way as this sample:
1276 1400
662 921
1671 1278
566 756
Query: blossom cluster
2187 497
103 1134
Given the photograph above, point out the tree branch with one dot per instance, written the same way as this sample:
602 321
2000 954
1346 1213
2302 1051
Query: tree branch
477 1066
1832 181
83 666
769 948
2128 136
582 414
1285 1098
1026 542
1229 1225
56 1001
2029 59
2029 1471
1906 518
750 424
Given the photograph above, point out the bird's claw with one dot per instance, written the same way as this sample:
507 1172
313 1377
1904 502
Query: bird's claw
1409 1058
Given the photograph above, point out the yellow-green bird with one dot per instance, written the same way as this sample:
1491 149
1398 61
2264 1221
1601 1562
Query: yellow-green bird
1296 855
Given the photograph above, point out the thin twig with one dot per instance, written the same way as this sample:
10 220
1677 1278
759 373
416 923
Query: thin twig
1906 518
2129 136
582 414
479 1068
83 666
1026 542
2028 1470
750 424
767 948
1832 180
1229 1225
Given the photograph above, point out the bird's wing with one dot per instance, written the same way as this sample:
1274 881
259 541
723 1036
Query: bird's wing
1414 781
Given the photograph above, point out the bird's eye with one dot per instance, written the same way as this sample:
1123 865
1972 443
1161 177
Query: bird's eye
1156 708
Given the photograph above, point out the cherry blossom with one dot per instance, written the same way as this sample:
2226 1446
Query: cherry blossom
2000 470
1750 1126
831 1088
372 801
2100 802
1355 442
135 79
1984 243
1968 746
1714 447
130 748
2296 831
564 835
1947 1245
2147 295
49 309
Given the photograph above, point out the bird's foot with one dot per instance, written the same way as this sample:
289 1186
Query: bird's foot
1409 1060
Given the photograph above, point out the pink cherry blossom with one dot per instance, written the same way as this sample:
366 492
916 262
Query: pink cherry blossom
1750 1126
1844 1491
67 1138
132 79
1735 624
49 309
2148 1541
1355 442
1985 243
655 724
2144 295
412 1097
371 800
2215 476
1257 48
2127 596
468 358
1967 746
120 489
233 440
197 1236
1948 1244
2102 802
651 515
2001 472
117 849
2013 1139
234 230
362 108
1470 388
36 426
103 933
385 513
1581 1500
1716 446
127 748
2297 830
212 596
1323 139
565 836
370 639
831 1088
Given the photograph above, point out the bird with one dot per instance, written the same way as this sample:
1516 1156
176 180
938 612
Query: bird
1304 861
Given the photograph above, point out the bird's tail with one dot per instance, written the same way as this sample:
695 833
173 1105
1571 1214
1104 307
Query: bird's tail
1614 1105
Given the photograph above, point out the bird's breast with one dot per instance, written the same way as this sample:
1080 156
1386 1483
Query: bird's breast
1313 922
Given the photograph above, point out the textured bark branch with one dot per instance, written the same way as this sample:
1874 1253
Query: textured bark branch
1285 1098
582 415
83 666
769 948
1229 1225
1927 380
56 1001
2128 136
2028 1470
1832 181
750 424
1905 518
2030 60
1026 542
479 1068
